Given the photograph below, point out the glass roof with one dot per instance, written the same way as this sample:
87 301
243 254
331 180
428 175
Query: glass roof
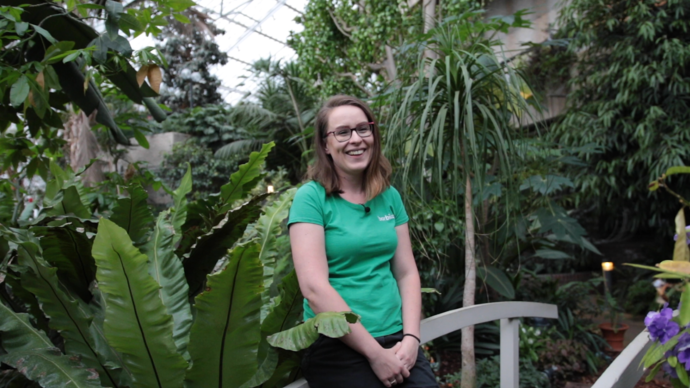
254 29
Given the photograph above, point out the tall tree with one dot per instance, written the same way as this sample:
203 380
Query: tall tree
188 43
452 129
629 98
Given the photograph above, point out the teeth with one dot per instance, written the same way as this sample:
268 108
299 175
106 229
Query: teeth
356 152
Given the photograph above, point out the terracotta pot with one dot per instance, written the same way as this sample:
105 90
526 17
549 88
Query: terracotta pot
614 339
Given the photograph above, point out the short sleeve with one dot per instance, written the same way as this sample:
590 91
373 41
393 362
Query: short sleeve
398 207
307 206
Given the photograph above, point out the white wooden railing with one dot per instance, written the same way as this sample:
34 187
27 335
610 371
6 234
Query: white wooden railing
509 314
625 371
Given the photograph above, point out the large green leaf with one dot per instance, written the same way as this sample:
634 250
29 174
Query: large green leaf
51 369
69 251
166 269
116 363
497 280
179 211
330 324
18 334
64 312
268 228
212 246
136 321
71 203
225 335
244 179
133 214
285 315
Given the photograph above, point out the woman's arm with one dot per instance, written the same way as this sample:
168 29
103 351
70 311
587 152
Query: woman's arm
309 255
405 272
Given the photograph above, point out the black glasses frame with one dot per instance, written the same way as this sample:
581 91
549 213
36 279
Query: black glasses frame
371 130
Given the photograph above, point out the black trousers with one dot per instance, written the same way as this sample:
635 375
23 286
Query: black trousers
329 363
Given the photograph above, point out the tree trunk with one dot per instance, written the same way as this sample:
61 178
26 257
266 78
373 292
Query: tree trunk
83 146
429 9
469 369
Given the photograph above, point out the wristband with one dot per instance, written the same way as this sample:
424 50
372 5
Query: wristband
413 336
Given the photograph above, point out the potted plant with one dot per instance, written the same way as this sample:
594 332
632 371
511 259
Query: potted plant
613 331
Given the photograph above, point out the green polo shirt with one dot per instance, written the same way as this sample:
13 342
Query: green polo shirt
359 249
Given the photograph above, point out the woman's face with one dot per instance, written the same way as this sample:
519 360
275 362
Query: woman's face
351 157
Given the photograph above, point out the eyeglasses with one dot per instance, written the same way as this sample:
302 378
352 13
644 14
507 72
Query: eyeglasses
344 134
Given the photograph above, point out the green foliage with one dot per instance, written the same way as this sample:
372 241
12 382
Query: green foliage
627 97
343 43
211 125
568 356
489 373
191 51
209 172
132 326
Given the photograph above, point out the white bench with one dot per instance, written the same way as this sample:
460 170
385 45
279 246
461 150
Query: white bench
509 314
625 371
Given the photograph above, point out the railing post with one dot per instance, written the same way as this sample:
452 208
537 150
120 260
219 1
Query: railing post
510 353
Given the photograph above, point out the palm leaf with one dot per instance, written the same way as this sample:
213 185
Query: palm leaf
237 147
133 214
136 321
166 269
212 246
51 369
225 335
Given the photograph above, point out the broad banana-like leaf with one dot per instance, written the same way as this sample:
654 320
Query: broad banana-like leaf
51 369
133 214
70 252
681 251
136 322
179 210
284 374
268 228
212 246
285 315
70 204
18 334
166 269
65 315
330 324
244 179
225 334
201 218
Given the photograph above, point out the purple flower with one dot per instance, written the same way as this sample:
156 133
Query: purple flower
683 350
671 371
660 325
687 238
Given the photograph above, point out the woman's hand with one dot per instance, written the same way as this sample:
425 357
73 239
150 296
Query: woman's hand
407 351
388 367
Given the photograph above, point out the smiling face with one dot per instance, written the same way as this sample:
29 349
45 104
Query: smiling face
351 157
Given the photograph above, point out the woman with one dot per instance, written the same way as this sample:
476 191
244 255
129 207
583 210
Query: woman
352 252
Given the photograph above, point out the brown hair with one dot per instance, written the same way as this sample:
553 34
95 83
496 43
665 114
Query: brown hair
377 174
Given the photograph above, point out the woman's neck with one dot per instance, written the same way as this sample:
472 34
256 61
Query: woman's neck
352 185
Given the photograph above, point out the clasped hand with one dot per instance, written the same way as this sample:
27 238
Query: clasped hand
393 365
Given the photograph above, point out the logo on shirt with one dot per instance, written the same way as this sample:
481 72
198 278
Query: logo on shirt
387 217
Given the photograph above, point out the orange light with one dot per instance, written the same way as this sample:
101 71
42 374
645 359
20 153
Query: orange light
607 266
